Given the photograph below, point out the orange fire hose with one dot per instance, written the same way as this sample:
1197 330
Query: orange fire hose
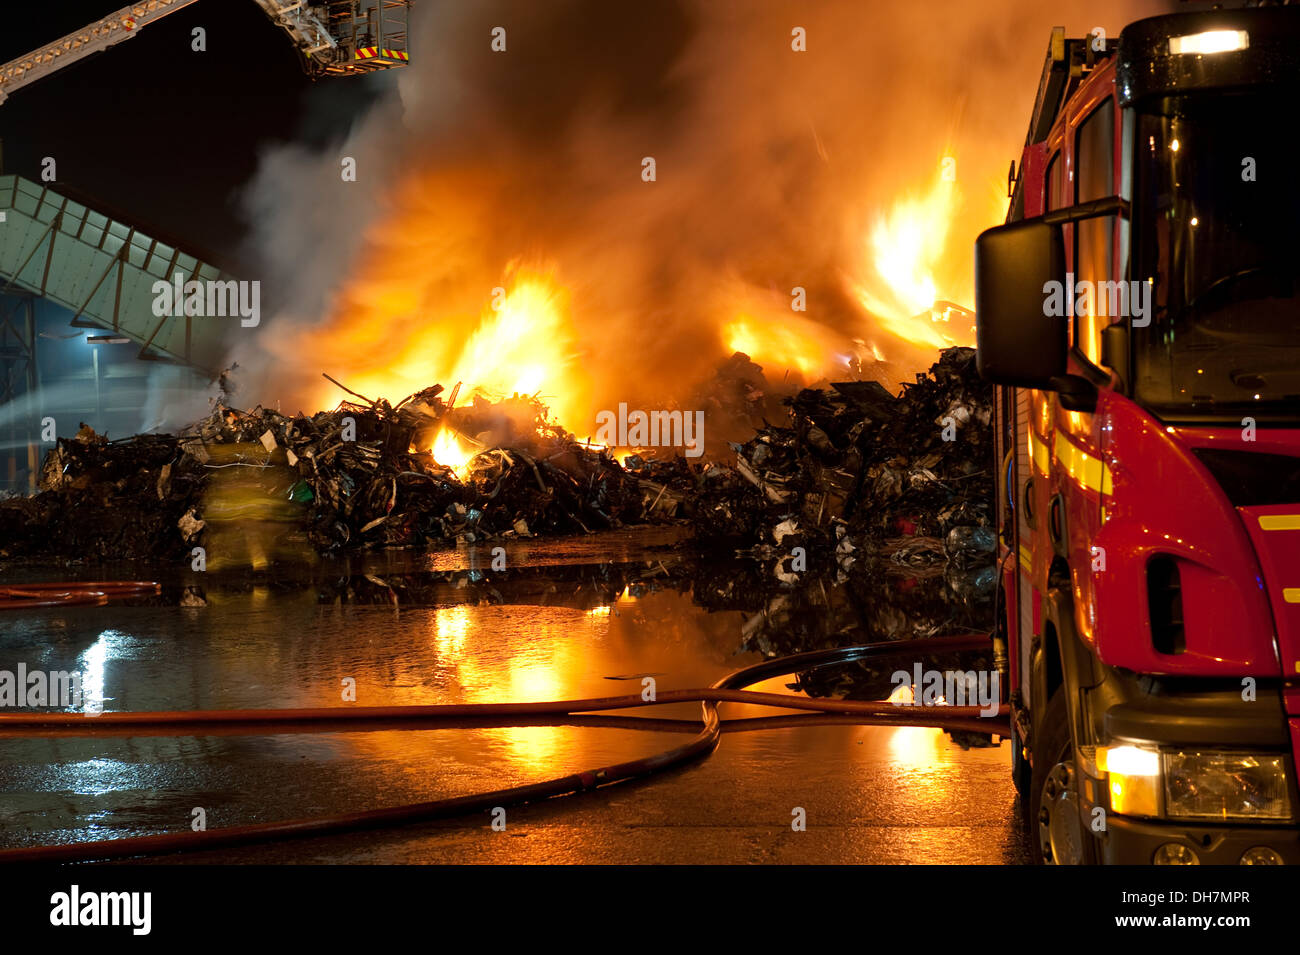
73 593
727 689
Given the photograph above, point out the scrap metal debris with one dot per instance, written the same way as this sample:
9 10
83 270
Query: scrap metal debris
361 475
855 471
908 477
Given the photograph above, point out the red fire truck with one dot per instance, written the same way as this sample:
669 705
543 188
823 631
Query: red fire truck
1139 314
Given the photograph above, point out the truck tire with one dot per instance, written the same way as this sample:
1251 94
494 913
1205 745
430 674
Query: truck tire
1056 829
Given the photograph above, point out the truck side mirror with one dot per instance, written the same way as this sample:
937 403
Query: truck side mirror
1017 343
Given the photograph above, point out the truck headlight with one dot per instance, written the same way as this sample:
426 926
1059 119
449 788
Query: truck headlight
1133 778
1215 785
1211 785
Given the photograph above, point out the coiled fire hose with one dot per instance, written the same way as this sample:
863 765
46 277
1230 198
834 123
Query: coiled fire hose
729 689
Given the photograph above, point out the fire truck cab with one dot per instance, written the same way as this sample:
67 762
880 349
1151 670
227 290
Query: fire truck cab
1139 314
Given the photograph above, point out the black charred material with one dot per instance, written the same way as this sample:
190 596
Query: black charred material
855 476
859 471
350 478
102 499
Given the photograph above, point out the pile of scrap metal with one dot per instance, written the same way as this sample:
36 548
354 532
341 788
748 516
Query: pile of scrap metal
347 478
101 500
907 477
368 477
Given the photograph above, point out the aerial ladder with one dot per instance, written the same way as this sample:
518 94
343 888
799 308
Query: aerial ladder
339 37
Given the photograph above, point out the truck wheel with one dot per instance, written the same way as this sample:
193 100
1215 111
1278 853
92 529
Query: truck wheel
1055 826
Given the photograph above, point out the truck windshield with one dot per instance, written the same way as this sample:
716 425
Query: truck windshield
1216 224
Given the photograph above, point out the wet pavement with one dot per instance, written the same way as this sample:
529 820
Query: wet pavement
575 618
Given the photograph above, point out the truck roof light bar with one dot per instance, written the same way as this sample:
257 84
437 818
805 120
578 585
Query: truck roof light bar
1211 41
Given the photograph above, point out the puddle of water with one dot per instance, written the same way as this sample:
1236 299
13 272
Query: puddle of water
412 629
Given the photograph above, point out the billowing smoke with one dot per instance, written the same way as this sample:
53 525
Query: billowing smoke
524 168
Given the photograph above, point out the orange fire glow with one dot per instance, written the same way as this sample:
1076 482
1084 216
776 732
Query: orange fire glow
909 278
451 451
421 307
523 342
525 345
787 343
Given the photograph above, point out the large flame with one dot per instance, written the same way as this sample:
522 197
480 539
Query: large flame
421 308
905 249
525 345
522 342
908 278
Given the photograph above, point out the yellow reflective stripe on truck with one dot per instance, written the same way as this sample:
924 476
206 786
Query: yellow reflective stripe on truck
1279 522
1085 469
1038 453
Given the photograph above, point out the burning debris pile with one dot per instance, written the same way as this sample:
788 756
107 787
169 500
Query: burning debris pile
340 479
364 485
908 477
